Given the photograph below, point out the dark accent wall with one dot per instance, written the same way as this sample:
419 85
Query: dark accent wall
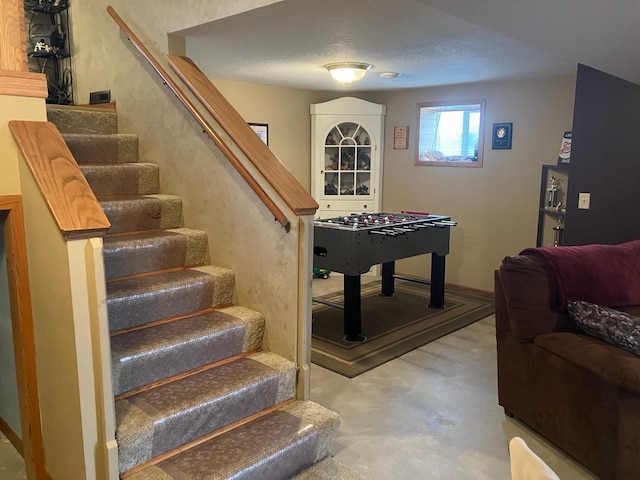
605 160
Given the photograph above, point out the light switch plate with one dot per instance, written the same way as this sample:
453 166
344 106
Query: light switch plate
584 200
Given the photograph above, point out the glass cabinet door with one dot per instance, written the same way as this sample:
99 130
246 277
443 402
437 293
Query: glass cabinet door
347 161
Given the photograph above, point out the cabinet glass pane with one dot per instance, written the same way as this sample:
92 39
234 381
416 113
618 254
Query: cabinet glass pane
348 129
347 158
362 137
334 137
346 184
331 155
331 183
363 181
364 158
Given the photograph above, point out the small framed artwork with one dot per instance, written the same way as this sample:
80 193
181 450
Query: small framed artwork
501 138
262 130
401 138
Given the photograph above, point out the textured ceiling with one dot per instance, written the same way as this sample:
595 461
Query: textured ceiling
430 42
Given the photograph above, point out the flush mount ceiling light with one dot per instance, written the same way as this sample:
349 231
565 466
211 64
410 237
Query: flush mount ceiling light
347 72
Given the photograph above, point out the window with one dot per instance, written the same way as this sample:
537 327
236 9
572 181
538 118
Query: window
450 133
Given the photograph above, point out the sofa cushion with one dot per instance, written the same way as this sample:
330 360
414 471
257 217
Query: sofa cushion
614 365
613 326
592 273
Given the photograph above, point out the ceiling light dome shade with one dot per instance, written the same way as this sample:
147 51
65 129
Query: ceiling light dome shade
347 72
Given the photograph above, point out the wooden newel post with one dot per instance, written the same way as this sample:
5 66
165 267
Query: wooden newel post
15 78
13 51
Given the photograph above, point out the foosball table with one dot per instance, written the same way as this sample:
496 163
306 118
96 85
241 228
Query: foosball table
352 244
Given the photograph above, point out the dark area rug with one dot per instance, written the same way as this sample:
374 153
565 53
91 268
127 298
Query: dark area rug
393 325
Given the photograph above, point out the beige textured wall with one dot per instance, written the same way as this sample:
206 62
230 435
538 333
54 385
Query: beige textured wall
286 110
496 206
215 199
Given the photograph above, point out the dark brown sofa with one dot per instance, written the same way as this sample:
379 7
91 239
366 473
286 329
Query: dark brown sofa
580 393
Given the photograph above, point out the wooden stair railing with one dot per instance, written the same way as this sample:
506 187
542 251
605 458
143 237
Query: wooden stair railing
67 193
278 176
269 166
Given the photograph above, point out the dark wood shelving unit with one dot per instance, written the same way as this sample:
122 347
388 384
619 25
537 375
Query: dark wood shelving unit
547 212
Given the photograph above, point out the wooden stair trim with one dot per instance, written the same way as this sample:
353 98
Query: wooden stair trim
23 84
147 274
272 169
206 438
207 128
31 445
71 201
188 373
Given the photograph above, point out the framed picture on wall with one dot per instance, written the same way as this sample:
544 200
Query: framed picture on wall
501 139
262 130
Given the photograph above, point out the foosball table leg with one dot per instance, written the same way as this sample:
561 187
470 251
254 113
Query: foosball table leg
352 310
437 281
388 287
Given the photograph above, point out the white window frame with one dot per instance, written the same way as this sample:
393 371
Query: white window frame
425 156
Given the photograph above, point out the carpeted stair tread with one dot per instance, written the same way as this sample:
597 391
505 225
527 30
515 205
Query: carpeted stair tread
144 212
98 148
75 119
275 446
186 388
329 469
135 301
141 357
133 253
122 178
153 422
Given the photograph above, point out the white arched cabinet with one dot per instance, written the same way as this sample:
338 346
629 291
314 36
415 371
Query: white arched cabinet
346 156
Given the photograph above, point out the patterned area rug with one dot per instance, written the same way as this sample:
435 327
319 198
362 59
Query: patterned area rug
393 325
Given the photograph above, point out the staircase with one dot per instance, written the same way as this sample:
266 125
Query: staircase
195 396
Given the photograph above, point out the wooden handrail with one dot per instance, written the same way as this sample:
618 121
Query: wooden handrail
271 168
70 198
208 129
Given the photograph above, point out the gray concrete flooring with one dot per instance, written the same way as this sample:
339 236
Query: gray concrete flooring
430 414
11 463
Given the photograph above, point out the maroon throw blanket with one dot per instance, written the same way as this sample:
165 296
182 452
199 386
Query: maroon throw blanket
607 275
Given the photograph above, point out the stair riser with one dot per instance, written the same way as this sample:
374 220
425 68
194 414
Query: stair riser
147 356
86 121
283 445
212 400
144 213
132 254
122 179
144 300
88 149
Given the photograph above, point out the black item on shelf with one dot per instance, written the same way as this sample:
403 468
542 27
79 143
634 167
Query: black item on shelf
49 47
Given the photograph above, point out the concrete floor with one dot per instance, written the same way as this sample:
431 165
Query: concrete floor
430 414
11 463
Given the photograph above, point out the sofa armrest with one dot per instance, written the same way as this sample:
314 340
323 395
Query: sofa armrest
529 299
